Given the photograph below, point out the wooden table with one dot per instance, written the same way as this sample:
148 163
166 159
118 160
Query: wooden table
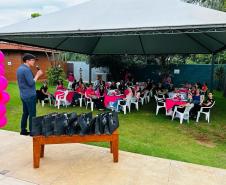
39 143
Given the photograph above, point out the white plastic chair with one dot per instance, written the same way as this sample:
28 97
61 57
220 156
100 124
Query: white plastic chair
135 100
89 101
61 99
124 104
147 96
46 99
81 99
160 103
206 112
182 115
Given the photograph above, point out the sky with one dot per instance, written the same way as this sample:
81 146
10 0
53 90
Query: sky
13 11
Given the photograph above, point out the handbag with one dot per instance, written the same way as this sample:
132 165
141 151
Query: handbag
36 128
48 124
72 126
60 123
104 123
113 121
84 121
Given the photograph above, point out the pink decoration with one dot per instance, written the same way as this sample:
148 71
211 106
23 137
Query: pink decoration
3 83
3 121
2 110
2 70
4 97
1 57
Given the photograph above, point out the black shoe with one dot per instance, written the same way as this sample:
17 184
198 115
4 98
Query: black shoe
25 133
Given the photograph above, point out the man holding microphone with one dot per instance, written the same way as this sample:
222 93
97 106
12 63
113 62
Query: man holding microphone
26 81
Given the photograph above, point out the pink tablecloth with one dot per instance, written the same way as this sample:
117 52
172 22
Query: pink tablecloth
108 99
69 96
170 103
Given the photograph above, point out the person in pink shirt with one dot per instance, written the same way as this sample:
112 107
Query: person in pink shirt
60 86
70 79
91 94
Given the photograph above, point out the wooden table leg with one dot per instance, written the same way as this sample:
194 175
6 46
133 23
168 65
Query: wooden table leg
42 151
36 153
115 150
111 150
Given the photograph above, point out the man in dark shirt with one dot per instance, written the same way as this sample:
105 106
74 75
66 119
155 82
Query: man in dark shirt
26 81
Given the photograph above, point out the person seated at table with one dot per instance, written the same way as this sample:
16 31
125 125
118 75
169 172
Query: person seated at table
43 92
60 86
197 97
149 84
193 90
102 93
91 94
74 85
122 87
204 89
206 103
102 88
171 88
79 90
160 91
188 102
113 86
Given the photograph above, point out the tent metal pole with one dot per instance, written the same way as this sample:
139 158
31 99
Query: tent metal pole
212 70
90 72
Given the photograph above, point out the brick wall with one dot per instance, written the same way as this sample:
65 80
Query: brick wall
13 59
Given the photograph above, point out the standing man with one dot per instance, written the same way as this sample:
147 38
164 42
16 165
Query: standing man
26 81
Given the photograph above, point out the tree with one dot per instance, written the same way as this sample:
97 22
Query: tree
214 4
36 14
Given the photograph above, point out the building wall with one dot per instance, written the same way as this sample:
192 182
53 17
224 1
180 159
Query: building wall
13 59
103 71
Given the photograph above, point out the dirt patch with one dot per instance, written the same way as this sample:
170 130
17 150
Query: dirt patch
204 141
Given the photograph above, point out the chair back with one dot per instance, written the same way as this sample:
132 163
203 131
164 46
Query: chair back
188 108
212 105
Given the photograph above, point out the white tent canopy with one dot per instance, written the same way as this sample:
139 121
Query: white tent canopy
125 26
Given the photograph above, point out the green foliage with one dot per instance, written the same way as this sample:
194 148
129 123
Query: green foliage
36 14
214 4
69 56
54 74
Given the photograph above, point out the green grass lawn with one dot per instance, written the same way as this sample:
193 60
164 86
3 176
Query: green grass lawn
143 132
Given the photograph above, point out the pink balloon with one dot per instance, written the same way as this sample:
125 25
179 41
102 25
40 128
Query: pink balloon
4 97
3 121
2 71
2 110
1 57
3 83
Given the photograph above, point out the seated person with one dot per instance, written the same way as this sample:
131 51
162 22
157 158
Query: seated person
122 87
204 89
197 98
79 90
74 85
43 92
90 93
113 86
189 101
207 103
60 86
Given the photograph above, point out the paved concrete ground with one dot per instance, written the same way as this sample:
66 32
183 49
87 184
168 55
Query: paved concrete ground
79 164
